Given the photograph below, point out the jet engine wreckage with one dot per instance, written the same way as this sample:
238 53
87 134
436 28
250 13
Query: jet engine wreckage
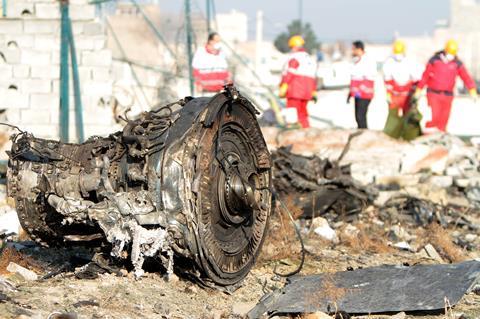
187 181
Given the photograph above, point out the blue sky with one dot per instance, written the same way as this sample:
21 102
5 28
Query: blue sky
371 20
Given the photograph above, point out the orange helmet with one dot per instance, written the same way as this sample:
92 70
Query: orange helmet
451 47
399 47
296 41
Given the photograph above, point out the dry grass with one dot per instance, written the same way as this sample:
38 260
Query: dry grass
282 242
330 293
10 254
442 241
367 239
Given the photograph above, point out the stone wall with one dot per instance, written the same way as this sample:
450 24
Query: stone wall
30 67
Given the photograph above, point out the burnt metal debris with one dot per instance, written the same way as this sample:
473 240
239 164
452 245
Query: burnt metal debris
187 181
320 187
373 290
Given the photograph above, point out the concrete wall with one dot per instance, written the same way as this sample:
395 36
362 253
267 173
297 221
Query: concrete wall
464 15
30 67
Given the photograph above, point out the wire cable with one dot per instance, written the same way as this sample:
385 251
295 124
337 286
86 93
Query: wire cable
302 244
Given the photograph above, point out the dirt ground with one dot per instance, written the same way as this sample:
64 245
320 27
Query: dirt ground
111 296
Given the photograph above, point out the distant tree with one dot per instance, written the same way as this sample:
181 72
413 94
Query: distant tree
296 28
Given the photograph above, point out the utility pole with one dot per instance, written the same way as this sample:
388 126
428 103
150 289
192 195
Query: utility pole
64 82
188 31
67 50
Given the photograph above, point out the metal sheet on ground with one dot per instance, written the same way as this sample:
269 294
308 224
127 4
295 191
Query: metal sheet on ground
373 290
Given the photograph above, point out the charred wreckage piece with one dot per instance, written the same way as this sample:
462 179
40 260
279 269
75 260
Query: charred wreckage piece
187 181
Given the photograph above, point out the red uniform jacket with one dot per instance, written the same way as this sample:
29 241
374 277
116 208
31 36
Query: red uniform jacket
440 74
210 70
300 75
363 76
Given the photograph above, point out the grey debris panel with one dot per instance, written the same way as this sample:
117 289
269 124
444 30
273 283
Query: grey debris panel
373 290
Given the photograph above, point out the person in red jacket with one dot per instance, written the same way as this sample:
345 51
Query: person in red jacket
439 78
362 83
210 68
298 82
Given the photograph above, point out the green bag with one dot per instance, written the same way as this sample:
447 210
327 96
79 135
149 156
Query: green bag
411 124
406 127
394 124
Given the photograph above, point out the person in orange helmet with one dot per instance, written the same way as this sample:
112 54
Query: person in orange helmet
400 75
298 84
439 78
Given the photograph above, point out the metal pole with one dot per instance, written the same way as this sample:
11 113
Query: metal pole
209 18
188 31
76 86
64 95
4 8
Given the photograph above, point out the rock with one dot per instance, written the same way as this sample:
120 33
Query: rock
471 237
421 157
161 309
453 171
473 194
191 289
217 314
317 315
22 271
400 315
351 230
384 196
403 245
462 182
400 233
458 201
322 228
242 308
432 253
6 285
441 181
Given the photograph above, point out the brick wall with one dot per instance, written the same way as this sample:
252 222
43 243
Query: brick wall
30 67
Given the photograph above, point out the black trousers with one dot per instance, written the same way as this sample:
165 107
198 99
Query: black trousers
361 108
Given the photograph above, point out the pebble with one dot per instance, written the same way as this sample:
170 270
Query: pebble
242 308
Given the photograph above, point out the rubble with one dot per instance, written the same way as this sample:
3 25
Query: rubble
432 253
322 228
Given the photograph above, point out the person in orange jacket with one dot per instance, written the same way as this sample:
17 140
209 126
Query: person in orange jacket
298 82
439 78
